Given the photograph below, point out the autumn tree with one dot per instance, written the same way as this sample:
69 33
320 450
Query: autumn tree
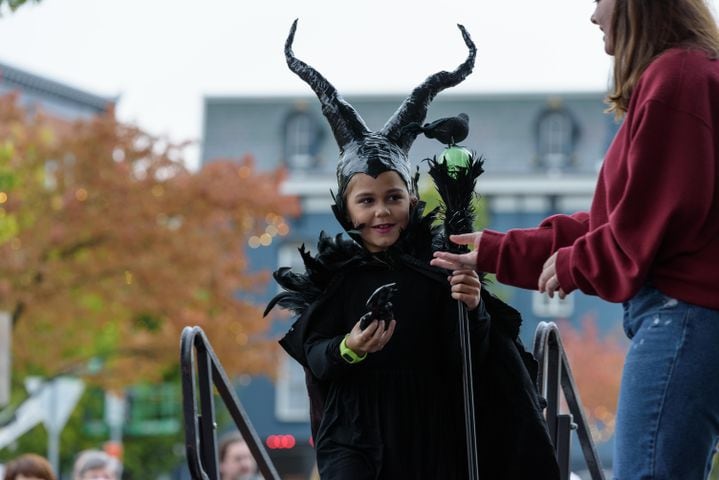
15 4
109 246
596 361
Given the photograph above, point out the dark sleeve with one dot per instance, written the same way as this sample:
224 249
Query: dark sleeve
323 356
322 343
479 322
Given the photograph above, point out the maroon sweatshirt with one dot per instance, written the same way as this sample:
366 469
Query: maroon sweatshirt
655 212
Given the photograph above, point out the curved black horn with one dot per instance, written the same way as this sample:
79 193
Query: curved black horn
414 108
346 123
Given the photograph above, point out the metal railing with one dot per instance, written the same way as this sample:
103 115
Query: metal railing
554 372
199 373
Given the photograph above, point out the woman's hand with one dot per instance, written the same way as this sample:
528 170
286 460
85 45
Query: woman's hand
454 261
548 280
466 287
371 339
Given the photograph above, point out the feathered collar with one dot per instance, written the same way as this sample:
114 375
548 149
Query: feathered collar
338 254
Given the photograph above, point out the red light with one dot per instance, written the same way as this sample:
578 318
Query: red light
280 442
288 441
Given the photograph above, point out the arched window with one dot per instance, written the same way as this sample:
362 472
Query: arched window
302 137
556 135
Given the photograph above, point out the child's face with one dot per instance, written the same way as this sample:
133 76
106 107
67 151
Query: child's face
378 208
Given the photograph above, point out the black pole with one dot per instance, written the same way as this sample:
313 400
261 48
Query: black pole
455 186
468 388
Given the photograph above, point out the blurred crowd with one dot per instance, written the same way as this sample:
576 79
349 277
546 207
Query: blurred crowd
236 463
89 465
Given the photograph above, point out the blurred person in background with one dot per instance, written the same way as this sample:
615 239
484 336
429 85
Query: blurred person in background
96 465
29 467
236 460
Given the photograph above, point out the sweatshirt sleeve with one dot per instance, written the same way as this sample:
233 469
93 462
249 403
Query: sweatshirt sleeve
671 175
517 257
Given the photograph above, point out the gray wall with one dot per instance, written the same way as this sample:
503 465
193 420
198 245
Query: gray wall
501 127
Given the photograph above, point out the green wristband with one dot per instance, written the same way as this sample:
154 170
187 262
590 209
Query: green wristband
348 354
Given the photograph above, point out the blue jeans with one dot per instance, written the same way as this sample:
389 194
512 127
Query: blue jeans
668 413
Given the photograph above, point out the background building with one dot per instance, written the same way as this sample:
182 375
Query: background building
53 98
542 154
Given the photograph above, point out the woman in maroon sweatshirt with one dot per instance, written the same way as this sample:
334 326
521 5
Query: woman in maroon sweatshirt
650 239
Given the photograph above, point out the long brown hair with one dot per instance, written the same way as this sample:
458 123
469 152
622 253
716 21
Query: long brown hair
643 29
29 465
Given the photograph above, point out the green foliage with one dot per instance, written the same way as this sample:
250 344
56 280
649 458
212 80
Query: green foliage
8 226
8 222
148 322
504 292
428 193
15 4
151 456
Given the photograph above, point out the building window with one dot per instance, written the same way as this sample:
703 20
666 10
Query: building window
543 306
298 136
291 403
302 138
59 173
291 400
51 173
556 135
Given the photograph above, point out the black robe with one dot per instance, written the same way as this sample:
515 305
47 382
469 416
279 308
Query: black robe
399 413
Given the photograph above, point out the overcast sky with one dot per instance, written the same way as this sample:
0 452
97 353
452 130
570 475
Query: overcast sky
161 57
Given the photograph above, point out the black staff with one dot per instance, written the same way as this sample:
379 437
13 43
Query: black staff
455 176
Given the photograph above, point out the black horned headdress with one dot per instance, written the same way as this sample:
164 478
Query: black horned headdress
365 151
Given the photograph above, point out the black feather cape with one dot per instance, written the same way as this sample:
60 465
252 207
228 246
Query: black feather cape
512 437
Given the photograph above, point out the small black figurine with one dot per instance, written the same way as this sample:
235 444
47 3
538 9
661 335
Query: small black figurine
379 306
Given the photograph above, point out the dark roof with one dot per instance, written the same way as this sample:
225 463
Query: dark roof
14 77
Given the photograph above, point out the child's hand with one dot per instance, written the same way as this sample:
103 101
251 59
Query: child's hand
371 339
466 287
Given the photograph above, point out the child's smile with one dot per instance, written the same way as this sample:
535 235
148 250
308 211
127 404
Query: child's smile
378 208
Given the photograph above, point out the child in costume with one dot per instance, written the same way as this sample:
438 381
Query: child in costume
386 401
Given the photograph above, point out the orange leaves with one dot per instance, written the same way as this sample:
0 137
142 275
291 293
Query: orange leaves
596 362
117 246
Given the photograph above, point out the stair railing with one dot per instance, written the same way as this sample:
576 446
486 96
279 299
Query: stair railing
199 373
554 372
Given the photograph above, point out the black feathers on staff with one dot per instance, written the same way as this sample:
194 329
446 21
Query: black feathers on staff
456 187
